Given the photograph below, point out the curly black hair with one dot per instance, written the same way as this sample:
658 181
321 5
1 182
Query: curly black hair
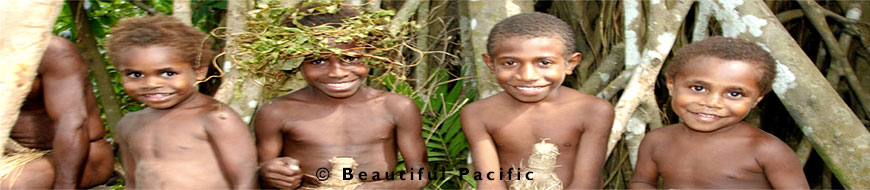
532 25
190 44
728 49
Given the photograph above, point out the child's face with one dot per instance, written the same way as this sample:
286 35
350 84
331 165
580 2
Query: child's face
530 69
710 93
336 76
154 76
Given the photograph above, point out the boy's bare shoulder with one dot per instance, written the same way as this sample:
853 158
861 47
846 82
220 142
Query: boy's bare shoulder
664 134
217 113
131 120
397 102
486 106
584 103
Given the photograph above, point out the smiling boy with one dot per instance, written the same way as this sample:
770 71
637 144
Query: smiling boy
184 139
530 54
337 115
713 84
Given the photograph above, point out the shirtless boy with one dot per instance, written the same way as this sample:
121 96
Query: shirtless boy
61 115
338 115
184 139
530 54
714 83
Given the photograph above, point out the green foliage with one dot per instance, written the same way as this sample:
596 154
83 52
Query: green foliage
440 103
270 49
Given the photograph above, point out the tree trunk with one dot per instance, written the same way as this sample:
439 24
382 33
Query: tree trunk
181 11
659 39
240 90
833 130
90 52
484 15
24 35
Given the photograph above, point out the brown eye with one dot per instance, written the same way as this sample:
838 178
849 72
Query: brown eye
134 75
316 62
735 94
697 88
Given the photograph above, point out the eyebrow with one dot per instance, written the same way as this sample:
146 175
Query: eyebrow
699 82
539 57
165 69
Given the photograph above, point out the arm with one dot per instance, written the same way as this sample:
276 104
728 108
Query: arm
410 141
232 143
781 165
646 172
482 147
64 82
274 171
127 158
593 147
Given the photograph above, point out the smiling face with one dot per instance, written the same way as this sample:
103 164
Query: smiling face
710 93
336 76
154 76
530 69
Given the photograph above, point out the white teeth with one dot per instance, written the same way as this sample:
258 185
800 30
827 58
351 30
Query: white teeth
339 85
530 88
707 115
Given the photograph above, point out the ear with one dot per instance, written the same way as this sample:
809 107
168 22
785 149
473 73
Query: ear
669 82
488 61
572 62
201 72
758 100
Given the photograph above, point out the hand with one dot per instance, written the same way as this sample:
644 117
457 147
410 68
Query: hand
282 173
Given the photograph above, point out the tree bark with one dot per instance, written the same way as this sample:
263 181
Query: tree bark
181 11
833 130
87 42
659 39
24 35
421 71
403 15
240 90
485 15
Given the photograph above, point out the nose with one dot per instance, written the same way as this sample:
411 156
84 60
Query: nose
528 72
153 82
714 100
335 69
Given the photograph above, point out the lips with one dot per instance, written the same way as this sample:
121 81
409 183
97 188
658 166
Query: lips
531 90
156 97
339 86
706 117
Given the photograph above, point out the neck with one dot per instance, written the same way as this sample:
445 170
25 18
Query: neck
321 96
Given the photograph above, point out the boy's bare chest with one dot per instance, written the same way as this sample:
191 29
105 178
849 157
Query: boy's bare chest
708 163
360 125
167 137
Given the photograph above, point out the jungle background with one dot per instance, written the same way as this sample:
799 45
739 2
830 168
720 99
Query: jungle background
820 105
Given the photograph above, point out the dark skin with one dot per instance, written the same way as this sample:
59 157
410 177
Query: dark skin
184 139
337 115
713 148
502 129
61 114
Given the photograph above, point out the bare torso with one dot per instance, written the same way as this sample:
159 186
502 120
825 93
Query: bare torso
171 148
725 160
516 127
364 130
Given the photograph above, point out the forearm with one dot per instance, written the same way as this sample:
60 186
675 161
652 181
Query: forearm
70 149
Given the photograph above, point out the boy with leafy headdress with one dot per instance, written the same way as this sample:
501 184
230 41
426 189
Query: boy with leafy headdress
336 115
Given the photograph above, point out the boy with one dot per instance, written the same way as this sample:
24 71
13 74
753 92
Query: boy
60 116
337 115
184 139
530 54
714 83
